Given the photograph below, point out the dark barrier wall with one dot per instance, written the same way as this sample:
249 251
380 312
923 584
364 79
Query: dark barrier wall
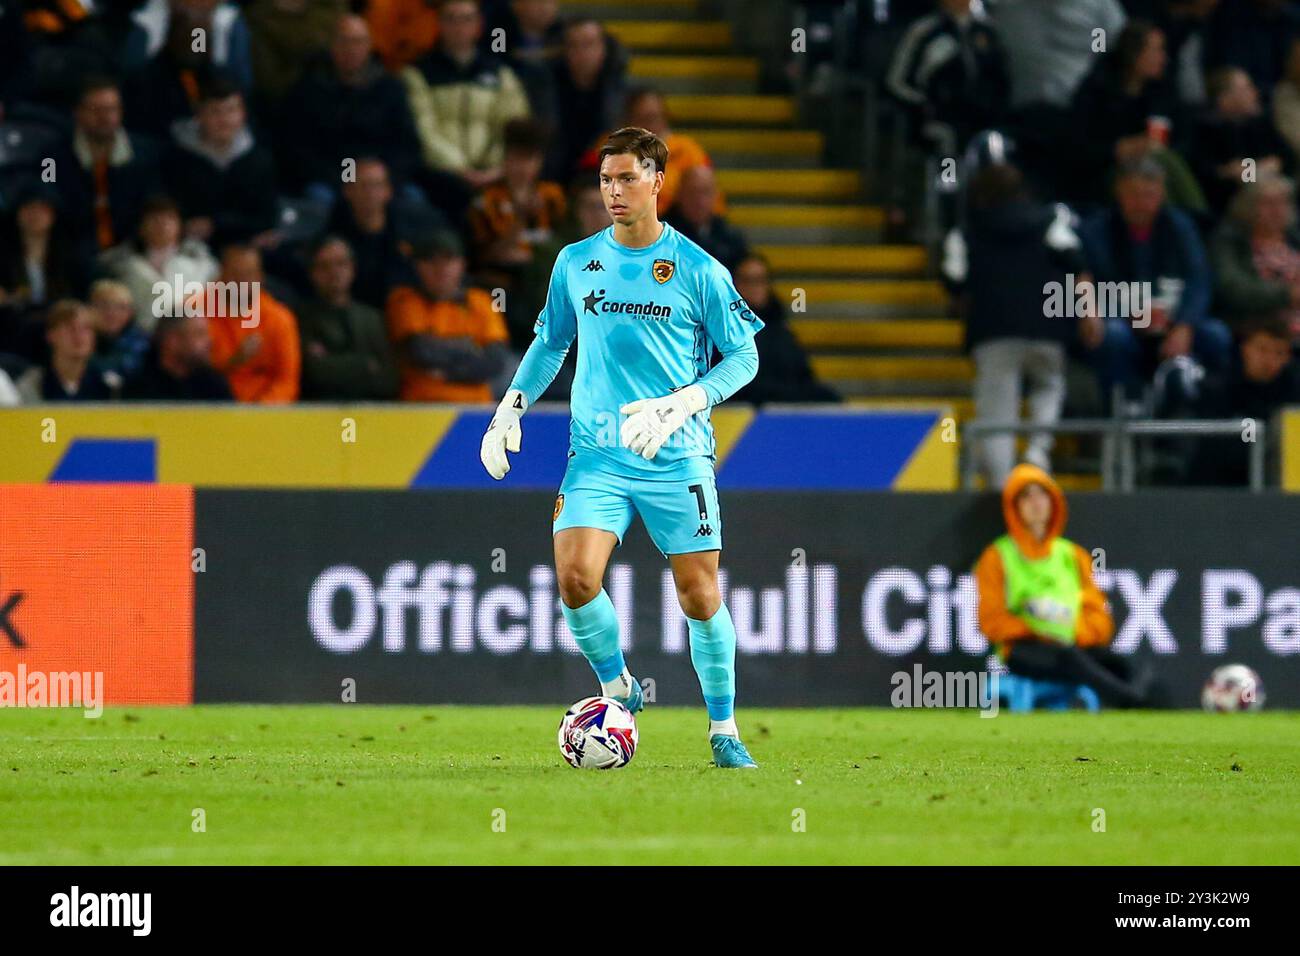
450 597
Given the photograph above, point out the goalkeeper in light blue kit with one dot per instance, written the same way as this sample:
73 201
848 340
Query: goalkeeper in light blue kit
647 306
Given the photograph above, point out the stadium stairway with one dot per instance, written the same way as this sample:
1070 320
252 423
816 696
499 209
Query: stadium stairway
873 323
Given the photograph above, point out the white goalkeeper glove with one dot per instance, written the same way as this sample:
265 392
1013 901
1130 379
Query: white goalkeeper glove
652 420
503 434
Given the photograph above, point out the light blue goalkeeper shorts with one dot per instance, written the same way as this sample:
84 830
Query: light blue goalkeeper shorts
680 511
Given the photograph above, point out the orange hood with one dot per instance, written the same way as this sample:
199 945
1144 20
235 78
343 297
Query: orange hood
1021 476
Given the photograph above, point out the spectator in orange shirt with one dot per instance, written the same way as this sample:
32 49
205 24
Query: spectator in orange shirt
257 351
508 218
646 108
450 341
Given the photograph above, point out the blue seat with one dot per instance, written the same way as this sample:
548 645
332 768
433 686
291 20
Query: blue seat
1020 694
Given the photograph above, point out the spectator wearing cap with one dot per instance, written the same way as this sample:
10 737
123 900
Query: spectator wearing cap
1235 141
159 253
1262 378
1141 239
105 173
346 105
509 218
379 230
257 349
784 374
589 79
1255 254
223 180
450 341
346 356
120 344
461 99
178 368
950 70
694 216
647 109
70 374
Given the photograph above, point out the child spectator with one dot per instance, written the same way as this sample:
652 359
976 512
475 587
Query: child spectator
346 356
450 341
120 344
70 374
257 350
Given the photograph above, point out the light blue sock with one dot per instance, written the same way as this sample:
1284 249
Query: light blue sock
594 627
713 652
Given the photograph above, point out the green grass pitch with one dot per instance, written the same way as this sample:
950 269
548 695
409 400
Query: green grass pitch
355 784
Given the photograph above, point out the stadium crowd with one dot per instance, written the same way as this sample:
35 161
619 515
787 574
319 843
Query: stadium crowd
399 185
396 176
1143 145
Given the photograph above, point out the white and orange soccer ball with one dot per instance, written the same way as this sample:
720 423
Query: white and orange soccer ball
598 733
1232 688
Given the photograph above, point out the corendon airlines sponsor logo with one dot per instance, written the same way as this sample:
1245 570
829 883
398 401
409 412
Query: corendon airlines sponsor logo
444 607
595 302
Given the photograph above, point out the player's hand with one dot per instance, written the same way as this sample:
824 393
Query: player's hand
503 434
652 420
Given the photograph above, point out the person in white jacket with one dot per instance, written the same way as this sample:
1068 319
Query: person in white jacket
158 255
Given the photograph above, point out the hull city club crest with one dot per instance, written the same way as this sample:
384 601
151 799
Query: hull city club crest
663 270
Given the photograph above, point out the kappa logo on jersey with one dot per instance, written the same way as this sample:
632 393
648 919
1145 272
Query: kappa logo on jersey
706 531
663 270
559 506
593 266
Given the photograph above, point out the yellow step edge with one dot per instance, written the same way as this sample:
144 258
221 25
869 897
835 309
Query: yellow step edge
858 258
730 107
693 67
825 183
962 409
794 216
878 333
671 34
870 292
623 4
768 142
940 368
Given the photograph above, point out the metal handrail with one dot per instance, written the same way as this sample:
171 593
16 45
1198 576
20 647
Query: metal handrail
1118 470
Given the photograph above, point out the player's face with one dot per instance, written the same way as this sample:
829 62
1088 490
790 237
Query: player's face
629 187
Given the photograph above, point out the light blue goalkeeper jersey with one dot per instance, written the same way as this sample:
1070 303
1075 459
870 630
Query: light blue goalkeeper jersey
646 321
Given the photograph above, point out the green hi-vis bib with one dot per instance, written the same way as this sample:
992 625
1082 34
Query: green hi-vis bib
1045 593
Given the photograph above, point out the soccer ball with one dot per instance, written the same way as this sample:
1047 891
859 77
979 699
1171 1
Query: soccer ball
598 733
1232 687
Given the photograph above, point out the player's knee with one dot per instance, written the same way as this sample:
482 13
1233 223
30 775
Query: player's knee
578 585
699 598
